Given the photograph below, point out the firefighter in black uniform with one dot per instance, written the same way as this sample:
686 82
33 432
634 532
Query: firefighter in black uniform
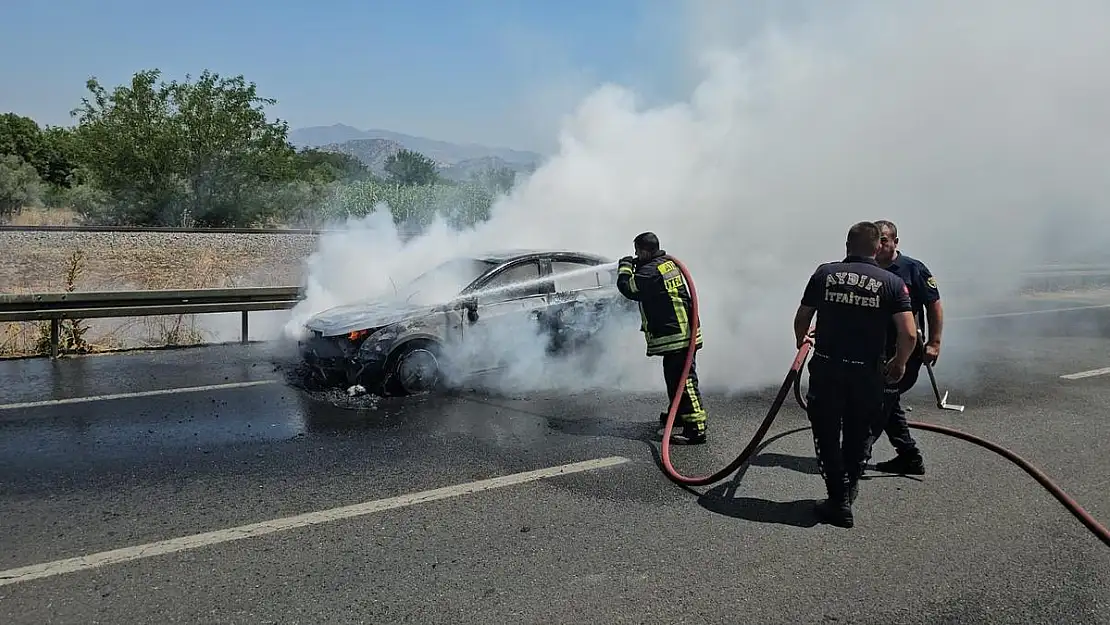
925 298
854 300
653 281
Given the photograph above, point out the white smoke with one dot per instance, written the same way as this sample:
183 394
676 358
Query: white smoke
972 125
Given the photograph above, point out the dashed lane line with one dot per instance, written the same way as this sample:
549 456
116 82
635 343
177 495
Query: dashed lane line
1025 313
152 393
116 556
1086 374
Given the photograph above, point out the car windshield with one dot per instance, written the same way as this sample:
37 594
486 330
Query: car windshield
443 282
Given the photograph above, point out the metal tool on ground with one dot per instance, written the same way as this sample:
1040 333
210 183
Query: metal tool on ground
793 379
942 402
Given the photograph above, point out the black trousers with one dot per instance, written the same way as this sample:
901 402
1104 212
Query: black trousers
893 421
844 404
691 410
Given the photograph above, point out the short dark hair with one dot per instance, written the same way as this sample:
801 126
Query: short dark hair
646 241
889 225
863 239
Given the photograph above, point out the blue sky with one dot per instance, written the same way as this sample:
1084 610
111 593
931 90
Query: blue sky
491 71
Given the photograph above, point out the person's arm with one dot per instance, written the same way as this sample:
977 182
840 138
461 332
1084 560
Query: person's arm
902 310
934 314
811 297
907 338
802 319
626 279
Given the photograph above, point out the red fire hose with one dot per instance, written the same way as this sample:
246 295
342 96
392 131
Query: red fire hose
793 379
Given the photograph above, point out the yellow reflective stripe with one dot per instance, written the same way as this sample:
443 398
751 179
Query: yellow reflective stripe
680 314
626 270
678 337
695 401
673 280
678 344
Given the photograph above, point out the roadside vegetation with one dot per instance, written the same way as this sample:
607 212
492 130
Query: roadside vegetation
205 153
197 152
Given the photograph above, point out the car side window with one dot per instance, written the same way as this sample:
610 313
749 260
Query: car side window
577 276
527 272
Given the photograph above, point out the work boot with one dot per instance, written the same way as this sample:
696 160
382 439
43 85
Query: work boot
903 464
836 511
837 508
691 435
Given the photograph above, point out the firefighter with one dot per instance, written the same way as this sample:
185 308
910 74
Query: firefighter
925 298
652 279
854 301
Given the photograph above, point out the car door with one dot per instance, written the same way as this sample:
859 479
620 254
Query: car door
507 303
580 302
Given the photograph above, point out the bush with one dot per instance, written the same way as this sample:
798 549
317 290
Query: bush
20 185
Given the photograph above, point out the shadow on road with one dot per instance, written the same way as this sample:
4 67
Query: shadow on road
796 513
801 464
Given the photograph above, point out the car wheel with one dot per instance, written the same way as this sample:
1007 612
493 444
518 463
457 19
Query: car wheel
414 368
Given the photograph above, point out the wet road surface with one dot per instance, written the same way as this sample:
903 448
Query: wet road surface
975 540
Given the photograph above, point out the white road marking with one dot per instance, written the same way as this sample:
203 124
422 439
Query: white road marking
104 558
163 391
1086 374
1023 313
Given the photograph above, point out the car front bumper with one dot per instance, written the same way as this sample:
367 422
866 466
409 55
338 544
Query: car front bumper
335 360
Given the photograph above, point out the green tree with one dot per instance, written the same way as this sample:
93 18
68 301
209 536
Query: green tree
496 179
20 136
59 158
19 185
411 169
324 166
199 152
48 150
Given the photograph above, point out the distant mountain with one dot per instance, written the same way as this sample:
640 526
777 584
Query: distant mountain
440 151
317 136
372 152
373 147
466 169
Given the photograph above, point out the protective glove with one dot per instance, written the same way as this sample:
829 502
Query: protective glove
627 260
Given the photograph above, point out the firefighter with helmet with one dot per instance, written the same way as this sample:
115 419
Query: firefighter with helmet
655 283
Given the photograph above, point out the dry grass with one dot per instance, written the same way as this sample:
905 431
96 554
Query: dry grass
54 262
46 217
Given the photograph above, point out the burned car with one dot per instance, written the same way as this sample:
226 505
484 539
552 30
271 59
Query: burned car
437 329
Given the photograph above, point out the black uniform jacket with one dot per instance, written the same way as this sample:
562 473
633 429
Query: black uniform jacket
855 300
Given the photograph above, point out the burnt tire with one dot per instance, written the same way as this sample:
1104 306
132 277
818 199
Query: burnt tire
414 368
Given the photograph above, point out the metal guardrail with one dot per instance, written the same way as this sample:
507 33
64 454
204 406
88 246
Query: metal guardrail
105 304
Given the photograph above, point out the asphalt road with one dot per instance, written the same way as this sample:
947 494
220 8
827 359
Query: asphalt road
976 540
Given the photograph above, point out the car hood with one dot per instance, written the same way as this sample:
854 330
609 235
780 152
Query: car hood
364 316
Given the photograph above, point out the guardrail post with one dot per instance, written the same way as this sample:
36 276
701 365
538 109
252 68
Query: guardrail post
55 337
243 328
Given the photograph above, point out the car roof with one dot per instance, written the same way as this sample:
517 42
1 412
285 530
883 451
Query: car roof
502 256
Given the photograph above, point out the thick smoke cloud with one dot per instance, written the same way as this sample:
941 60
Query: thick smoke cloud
978 127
